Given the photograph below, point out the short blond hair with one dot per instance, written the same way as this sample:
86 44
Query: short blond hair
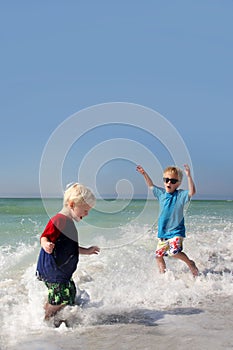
174 170
79 194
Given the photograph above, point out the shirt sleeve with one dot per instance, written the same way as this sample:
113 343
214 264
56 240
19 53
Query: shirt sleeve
184 195
53 229
157 191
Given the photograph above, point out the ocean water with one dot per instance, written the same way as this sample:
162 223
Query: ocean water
124 303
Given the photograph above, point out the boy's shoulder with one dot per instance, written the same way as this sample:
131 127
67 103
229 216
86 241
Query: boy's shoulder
60 220
158 192
182 191
157 188
183 194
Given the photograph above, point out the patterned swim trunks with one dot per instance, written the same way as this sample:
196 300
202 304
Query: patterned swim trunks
61 293
169 247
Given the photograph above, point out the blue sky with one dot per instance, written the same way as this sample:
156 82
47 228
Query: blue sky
60 57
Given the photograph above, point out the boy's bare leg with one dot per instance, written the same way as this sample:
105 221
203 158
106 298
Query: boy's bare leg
191 264
51 310
161 264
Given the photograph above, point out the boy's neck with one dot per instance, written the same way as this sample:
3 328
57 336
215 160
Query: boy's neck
65 211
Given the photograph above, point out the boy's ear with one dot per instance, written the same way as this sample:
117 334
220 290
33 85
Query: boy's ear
71 204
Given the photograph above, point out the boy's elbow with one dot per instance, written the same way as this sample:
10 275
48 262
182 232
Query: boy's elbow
192 192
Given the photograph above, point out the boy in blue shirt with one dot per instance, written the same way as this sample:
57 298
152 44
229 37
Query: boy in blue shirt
171 228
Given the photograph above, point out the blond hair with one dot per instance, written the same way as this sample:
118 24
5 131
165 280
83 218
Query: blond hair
174 170
79 194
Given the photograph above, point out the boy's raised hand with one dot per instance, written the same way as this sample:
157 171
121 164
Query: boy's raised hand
187 169
140 169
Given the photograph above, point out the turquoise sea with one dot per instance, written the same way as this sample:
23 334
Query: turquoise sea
127 304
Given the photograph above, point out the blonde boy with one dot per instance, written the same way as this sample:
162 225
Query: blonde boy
171 228
59 254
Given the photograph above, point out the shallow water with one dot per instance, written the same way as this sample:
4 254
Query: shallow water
127 304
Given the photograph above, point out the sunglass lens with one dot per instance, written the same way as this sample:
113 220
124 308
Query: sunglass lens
173 181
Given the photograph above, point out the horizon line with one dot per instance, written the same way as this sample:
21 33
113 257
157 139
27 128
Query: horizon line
111 197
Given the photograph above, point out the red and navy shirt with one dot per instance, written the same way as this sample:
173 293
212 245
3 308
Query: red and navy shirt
59 266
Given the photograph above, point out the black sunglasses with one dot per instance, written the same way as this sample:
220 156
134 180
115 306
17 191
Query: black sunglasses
173 181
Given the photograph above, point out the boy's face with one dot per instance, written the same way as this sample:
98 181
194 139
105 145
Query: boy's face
78 211
169 179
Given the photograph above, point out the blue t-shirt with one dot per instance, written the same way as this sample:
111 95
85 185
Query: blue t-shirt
171 216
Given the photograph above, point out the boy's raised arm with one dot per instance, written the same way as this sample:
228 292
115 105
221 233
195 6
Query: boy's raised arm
191 185
146 176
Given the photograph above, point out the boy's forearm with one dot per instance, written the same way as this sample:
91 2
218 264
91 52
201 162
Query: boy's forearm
82 250
191 186
89 251
146 176
43 241
148 180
